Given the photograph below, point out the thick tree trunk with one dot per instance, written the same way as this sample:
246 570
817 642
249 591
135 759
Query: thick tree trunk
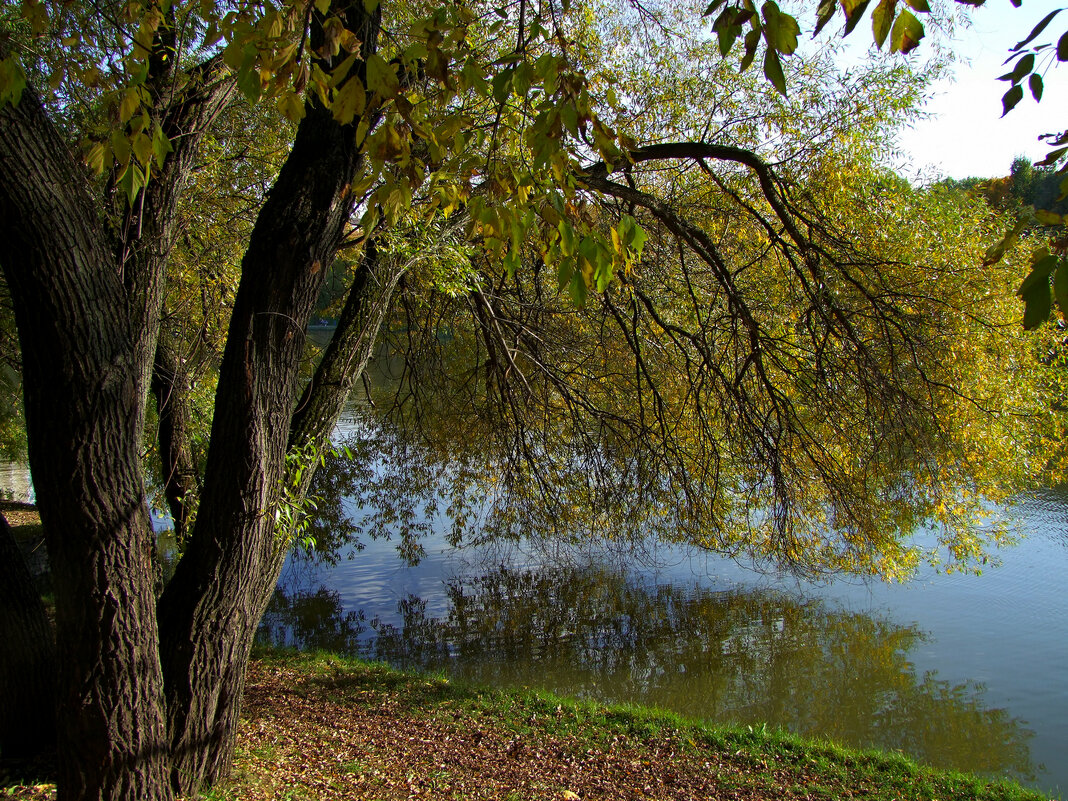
210 609
27 659
87 307
84 415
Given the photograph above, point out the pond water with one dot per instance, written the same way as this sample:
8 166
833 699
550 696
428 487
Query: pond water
958 671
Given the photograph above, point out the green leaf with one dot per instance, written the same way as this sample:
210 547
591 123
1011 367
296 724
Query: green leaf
120 146
1060 286
995 252
569 116
780 30
502 84
1062 47
382 77
1035 292
854 14
752 40
1052 157
628 230
906 33
1048 217
637 240
919 5
1035 83
142 148
567 238
773 70
94 157
1037 306
131 101
712 7
1037 30
882 18
1045 263
1023 67
248 80
521 79
824 14
512 261
577 288
727 35
564 271
12 81
160 145
1010 99
132 181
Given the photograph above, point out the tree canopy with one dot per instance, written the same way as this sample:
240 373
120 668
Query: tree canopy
679 300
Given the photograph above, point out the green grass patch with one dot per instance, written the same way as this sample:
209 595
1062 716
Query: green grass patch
658 749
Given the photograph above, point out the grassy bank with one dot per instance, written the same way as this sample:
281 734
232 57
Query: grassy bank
322 727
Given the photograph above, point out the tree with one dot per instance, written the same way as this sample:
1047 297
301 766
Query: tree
480 137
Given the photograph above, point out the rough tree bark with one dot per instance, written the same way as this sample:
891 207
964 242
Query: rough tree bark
211 607
143 715
87 310
346 356
84 414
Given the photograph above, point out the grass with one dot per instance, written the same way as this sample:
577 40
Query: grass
407 735
318 727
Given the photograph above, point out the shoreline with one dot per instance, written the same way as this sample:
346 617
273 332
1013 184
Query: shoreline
318 726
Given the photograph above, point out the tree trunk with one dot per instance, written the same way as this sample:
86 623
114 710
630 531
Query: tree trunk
27 660
209 611
346 356
87 299
84 402
181 481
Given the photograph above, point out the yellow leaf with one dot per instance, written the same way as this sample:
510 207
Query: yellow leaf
120 146
94 157
291 105
349 101
130 103
142 148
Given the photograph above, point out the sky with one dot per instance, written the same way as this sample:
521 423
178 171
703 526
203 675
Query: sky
967 136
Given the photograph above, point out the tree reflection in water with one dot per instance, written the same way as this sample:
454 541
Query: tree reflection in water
742 656
594 625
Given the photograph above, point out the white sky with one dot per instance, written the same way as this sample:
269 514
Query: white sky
967 137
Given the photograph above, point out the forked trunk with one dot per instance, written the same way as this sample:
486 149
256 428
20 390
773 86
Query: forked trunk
210 609
181 481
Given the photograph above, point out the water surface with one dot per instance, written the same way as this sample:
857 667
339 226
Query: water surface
964 672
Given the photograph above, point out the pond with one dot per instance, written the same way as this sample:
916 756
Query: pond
958 671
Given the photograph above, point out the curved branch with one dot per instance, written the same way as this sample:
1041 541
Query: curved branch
700 151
